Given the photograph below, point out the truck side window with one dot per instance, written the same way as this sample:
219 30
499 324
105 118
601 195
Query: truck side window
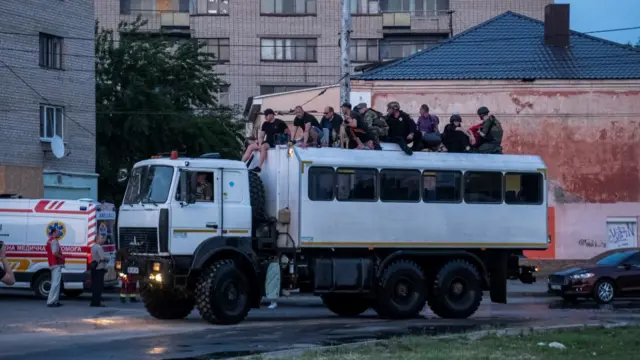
483 187
357 184
204 192
441 186
523 188
321 183
400 185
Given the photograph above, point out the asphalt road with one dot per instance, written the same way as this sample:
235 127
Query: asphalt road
124 331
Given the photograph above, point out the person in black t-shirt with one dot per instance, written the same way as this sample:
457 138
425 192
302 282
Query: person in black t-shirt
273 129
359 134
311 131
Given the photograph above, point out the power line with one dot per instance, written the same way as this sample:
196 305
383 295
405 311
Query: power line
156 35
42 97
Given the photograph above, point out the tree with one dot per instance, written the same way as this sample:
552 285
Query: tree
154 95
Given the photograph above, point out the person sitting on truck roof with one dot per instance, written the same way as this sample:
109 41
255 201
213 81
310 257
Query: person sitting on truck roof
274 130
428 127
330 125
309 125
402 129
377 125
359 133
456 138
490 133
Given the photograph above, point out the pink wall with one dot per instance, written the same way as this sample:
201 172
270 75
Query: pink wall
587 132
581 229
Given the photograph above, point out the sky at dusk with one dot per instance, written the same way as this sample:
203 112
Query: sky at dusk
590 15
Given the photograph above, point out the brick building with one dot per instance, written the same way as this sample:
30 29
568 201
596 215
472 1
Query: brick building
575 102
47 88
270 46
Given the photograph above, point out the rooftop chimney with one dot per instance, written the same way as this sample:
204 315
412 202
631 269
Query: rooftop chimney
556 25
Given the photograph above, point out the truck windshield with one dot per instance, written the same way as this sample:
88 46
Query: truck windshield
149 185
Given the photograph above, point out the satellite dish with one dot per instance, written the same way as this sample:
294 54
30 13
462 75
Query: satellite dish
57 147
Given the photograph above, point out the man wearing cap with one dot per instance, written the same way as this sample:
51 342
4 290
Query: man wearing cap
490 133
402 129
273 129
377 125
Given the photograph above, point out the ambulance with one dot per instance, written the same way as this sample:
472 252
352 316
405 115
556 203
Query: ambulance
25 225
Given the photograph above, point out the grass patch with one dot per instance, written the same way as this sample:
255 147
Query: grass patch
590 343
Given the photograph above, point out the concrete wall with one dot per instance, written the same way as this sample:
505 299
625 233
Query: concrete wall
587 132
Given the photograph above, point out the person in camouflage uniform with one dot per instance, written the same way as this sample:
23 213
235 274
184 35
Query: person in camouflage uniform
377 124
490 133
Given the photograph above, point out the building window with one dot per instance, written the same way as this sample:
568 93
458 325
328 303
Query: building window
364 50
418 7
441 186
356 184
483 187
288 7
50 51
274 89
223 95
51 122
218 7
321 183
400 48
523 188
364 7
400 185
288 49
219 48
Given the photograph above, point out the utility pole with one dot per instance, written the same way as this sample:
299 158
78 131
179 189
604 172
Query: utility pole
345 60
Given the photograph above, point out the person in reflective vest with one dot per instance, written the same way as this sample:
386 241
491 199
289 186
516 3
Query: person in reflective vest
55 258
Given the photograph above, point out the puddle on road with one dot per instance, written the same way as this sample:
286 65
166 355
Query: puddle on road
592 305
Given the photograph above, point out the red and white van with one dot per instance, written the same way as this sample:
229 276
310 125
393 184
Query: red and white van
25 225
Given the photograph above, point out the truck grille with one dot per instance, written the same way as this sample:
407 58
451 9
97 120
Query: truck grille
557 280
139 240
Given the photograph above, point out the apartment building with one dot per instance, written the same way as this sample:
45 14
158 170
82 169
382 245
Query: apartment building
47 89
267 46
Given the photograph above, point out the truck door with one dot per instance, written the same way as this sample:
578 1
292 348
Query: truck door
193 223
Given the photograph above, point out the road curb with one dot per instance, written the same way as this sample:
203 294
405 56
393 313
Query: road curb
474 335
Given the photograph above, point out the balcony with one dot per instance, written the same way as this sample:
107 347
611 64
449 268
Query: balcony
424 21
165 21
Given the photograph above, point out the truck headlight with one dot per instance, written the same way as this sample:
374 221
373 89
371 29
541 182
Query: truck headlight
118 265
156 266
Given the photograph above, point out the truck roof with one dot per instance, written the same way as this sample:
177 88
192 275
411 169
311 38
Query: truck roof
195 162
426 160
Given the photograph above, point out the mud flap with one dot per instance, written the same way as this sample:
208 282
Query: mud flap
498 277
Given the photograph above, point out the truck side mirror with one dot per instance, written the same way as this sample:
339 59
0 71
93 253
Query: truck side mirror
123 175
188 185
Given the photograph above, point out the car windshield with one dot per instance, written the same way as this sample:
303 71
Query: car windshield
615 258
149 185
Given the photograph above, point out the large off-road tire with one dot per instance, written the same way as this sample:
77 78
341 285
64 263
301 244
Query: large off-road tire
257 197
222 294
457 290
346 304
402 291
167 304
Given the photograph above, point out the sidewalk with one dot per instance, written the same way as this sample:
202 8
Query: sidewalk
515 289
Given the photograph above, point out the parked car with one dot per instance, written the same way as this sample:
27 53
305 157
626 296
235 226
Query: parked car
615 273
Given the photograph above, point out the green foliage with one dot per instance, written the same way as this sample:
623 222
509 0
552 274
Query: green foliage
154 95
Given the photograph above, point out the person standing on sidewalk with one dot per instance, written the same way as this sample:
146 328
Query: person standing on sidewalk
6 273
55 258
98 263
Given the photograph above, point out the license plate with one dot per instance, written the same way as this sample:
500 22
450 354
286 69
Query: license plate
133 270
556 287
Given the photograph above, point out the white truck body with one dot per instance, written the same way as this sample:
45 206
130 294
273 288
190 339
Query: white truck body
25 225
400 224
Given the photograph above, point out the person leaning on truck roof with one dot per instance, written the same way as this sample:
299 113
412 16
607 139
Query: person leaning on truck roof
310 127
273 129
6 273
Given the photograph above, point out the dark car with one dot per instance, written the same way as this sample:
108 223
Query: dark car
617 274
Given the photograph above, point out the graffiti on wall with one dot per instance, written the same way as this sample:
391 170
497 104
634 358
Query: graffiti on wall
590 243
622 234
